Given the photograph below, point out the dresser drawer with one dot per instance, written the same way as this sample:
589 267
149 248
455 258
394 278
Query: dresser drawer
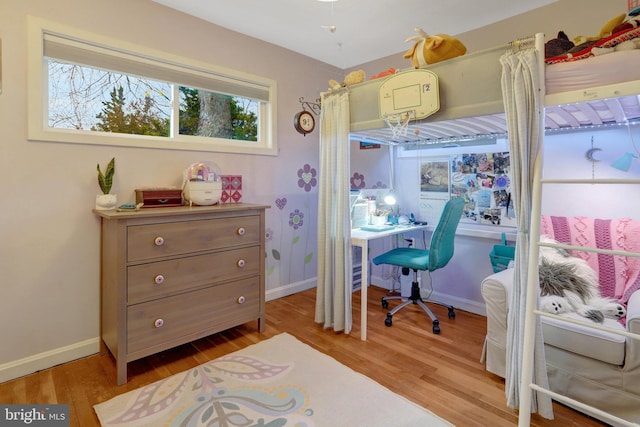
158 279
151 241
172 321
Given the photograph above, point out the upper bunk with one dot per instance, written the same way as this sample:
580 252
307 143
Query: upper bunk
580 94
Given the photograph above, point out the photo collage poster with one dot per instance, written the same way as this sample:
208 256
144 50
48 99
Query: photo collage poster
482 179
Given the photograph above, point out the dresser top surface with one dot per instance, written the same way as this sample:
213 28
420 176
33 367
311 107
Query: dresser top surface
179 210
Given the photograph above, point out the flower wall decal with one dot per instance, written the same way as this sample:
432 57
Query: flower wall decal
295 219
290 247
357 181
307 178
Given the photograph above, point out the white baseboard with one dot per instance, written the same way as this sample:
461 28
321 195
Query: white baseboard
37 362
459 303
290 289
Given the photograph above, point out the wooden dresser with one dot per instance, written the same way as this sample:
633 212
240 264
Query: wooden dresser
173 275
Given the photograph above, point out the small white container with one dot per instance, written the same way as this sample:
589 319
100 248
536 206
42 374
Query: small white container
202 193
378 220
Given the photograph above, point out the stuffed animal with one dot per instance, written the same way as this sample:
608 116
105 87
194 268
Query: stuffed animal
621 33
385 73
352 78
558 46
606 30
631 20
568 284
431 49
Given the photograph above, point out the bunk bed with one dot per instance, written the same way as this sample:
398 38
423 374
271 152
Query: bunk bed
579 94
595 91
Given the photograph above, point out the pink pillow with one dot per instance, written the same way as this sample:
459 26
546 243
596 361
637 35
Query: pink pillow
619 276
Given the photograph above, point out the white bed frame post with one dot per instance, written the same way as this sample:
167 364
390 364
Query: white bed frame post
527 383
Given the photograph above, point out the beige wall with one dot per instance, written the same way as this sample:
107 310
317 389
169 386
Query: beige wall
574 17
49 238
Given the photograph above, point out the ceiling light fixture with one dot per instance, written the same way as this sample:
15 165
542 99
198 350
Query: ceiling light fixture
331 28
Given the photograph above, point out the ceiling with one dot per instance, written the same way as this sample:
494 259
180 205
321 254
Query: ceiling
347 33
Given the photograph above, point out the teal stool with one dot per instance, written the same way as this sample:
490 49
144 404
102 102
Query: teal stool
437 256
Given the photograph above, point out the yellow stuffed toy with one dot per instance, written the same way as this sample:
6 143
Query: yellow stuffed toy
431 49
352 78
604 32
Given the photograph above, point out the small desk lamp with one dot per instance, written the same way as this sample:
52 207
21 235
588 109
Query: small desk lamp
390 199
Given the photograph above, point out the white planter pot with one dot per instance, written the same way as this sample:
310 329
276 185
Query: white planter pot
105 202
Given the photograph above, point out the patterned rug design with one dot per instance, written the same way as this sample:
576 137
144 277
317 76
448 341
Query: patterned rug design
274 383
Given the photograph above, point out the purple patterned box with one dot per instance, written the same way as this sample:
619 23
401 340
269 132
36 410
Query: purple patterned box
231 189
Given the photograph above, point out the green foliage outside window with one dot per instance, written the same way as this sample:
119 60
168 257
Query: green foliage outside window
139 106
140 118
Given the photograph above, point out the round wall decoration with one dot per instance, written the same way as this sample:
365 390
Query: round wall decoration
304 122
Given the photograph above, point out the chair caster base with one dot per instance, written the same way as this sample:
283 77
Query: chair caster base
436 327
385 303
388 321
452 314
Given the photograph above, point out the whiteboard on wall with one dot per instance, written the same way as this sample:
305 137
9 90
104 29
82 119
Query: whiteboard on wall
431 209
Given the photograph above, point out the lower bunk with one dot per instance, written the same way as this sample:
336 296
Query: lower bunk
591 365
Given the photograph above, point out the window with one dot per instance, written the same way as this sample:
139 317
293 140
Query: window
84 88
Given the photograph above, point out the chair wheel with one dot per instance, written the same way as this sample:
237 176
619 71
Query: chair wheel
436 327
385 303
452 314
388 321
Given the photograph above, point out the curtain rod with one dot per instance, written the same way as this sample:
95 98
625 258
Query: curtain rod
519 44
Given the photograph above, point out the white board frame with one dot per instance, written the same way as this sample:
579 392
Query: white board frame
412 90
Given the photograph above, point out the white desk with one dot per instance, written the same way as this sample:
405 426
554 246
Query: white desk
361 238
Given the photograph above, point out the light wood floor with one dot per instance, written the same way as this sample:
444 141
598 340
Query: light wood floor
439 372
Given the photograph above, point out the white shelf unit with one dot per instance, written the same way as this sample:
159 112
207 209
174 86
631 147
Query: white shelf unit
357 268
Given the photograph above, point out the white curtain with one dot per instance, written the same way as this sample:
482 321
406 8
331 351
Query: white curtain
522 93
333 294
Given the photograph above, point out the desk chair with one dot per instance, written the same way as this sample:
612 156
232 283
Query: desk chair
437 256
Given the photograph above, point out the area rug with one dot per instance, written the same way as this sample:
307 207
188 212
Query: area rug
277 382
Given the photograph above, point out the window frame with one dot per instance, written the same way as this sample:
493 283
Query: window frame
37 95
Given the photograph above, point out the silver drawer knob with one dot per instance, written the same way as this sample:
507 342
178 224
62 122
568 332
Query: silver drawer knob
158 323
159 279
159 241
241 231
241 299
241 263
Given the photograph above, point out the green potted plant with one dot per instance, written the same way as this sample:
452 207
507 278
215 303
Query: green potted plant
106 200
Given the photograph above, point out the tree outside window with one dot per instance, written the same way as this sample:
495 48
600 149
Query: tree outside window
85 98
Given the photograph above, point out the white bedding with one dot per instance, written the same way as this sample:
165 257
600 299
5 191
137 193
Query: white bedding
616 67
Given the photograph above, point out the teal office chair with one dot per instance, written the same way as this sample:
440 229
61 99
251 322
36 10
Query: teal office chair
437 256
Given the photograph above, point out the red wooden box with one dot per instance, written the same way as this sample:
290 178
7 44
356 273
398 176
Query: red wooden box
159 197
